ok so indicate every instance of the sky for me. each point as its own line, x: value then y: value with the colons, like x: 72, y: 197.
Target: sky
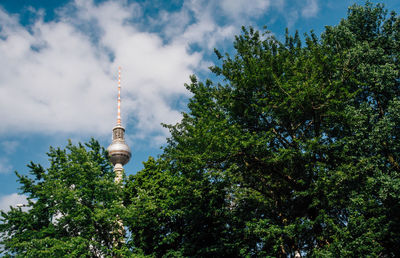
x: 59, y: 63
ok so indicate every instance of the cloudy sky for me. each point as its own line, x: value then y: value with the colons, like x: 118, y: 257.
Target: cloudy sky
x: 59, y: 61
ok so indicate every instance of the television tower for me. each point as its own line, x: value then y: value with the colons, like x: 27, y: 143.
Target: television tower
x: 119, y: 154
x: 118, y: 151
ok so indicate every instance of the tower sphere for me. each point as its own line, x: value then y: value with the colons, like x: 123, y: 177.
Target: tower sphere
x: 118, y: 151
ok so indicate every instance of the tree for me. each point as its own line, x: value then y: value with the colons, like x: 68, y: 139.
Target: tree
x: 72, y: 207
x: 295, y: 153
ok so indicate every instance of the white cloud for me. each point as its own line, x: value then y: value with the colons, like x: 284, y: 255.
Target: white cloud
x: 291, y: 18
x: 242, y: 10
x: 11, y: 200
x: 195, y: 23
x: 56, y: 79
x: 5, y: 165
x: 205, y: 31
x: 60, y: 76
x: 303, y: 9
x: 310, y: 9
x: 60, y: 88
x: 9, y: 147
x: 153, y: 72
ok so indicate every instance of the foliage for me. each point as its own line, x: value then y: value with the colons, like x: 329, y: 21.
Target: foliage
x: 297, y: 152
x: 72, y: 207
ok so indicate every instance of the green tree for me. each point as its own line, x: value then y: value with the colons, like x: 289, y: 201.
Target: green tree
x: 72, y: 207
x: 295, y: 152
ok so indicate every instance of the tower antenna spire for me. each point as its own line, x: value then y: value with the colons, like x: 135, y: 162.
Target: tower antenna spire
x: 119, y: 96
x: 118, y: 150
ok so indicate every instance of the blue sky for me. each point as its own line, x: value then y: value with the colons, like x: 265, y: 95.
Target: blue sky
x: 59, y: 63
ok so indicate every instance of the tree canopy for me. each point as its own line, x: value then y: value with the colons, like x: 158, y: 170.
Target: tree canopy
x: 294, y: 152
x: 73, y: 207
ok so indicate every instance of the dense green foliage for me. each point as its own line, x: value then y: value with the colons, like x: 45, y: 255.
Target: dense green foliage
x: 296, y: 152
x: 72, y: 207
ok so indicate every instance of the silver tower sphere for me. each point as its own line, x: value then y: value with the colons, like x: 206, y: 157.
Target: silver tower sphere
x: 118, y: 151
